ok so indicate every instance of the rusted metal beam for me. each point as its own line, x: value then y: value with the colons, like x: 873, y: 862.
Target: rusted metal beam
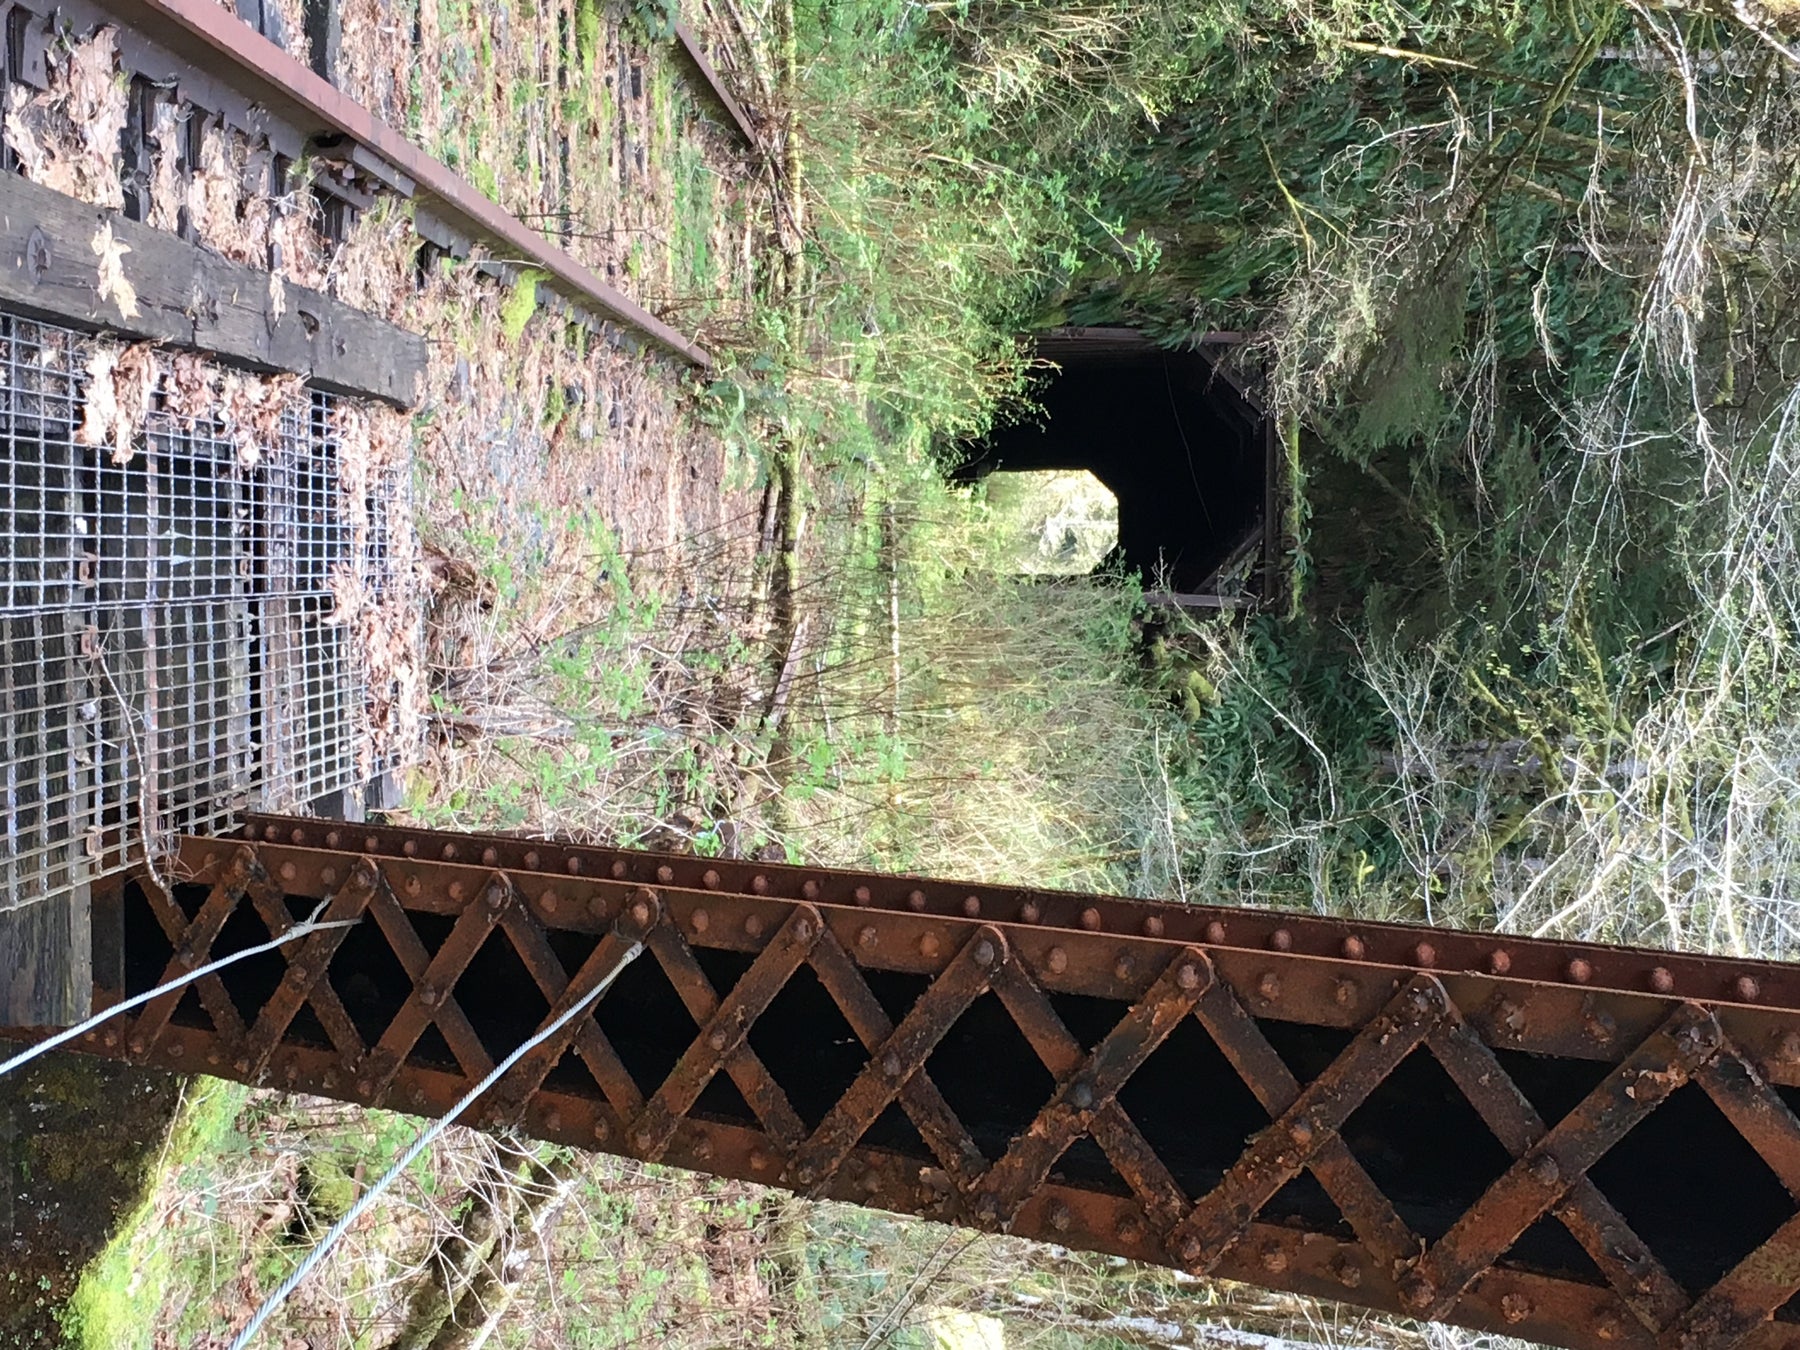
x: 711, y: 84
x: 1581, y: 1145
x: 216, y: 41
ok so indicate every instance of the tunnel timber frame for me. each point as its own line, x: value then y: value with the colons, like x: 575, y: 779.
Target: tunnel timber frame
x: 1134, y: 1025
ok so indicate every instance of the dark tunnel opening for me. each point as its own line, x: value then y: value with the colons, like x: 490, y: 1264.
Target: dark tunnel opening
x: 1184, y: 449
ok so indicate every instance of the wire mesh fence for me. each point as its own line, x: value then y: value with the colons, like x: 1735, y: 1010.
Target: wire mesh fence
x: 170, y: 647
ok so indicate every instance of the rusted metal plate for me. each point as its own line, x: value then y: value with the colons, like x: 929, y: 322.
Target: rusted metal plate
x: 1486, y: 1148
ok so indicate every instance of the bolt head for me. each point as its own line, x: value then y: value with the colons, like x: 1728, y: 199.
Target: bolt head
x: 1417, y: 1292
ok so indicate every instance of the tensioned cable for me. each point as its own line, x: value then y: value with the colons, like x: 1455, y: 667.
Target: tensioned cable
x: 418, y: 1146
x: 300, y: 930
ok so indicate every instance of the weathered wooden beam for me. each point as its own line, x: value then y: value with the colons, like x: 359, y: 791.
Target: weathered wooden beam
x: 54, y: 251
x: 46, y: 967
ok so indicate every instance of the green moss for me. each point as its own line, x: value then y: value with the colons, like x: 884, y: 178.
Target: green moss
x: 520, y: 304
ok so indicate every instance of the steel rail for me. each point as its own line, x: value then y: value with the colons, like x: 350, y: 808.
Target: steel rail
x: 228, y: 50
x: 1574, y: 1164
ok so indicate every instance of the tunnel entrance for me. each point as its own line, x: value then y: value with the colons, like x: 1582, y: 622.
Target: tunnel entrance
x: 1182, y: 445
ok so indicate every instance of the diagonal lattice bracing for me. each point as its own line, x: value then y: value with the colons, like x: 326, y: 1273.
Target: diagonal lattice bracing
x: 1333, y: 1112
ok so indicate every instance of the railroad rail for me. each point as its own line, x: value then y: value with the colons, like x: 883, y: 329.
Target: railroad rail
x: 1583, y: 1145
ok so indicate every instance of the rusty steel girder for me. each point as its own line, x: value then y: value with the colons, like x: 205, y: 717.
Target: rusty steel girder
x: 1589, y: 1146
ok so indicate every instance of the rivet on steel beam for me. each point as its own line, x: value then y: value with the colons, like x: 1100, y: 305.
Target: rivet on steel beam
x: 549, y: 900
x: 1579, y: 971
x: 490, y: 857
x: 1274, y: 1259
x: 928, y: 945
x: 410, y: 848
x: 915, y: 901
x: 573, y: 867
x: 643, y: 1139
x: 1188, y: 976
x: 297, y: 836
x: 1281, y: 940
x: 710, y: 879
x: 1346, y: 1272
x: 242, y: 1064
x: 1130, y: 1229
x: 759, y: 1161
x: 1499, y: 961
x: 803, y: 930
x: 1081, y: 1095
x: 138, y: 1045
x: 533, y: 860
x: 1515, y: 1307
x: 1345, y: 992
x: 809, y: 889
x: 871, y: 1182
x: 413, y: 884
x: 328, y: 875
x: 759, y: 884
x: 718, y: 1040
x: 619, y: 869
x: 553, y: 1120
x: 642, y: 911
x: 1192, y: 1251
x: 209, y: 862
x: 863, y: 896
x: 596, y: 906
x: 1352, y: 948
x: 365, y: 1087
x: 271, y: 833
x: 371, y: 844
x: 288, y: 871
x: 430, y: 995
x: 700, y: 921
x: 1600, y: 1027
x: 213, y: 1057
x: 1608, y: 1327
x: 1417, y: 1292
x: 1030, y: 912
x: 449, y: 853
x: 496, y: 895
x: 1544, y: 1169
x: 1426, y: 997
x: 867, y: 938
x: 1215, y: 932
x: 457, y: 891
x: 1269, y: 986
x: 971, y: 906
x: 1153, y: 926
x: 1424, y: 954
x: 1057, y: 961
x: 1787, y: 1049
x: 1122, y: 968
x: 1300, y: 1130
x: 90, y: 1036
x: 804, y: 1174
x: 602, y: 1131
x: 753, y: 925
x: 890, y: 1064
x: 987, y: 1207
x: 333, y: 838
x: 665, y: 874
x: 1090, y: 919
x: 1747, y: 989
x: 703, y: 1148
x: 328, y: 1080
x: 290, y: 1072
x: 1661, y: 981
x: 1059, y: 1216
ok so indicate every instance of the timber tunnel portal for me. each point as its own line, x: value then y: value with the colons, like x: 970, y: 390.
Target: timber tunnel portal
x: 1181, y: 444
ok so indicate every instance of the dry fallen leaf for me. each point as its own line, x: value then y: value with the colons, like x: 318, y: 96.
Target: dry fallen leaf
x: 113, y: 285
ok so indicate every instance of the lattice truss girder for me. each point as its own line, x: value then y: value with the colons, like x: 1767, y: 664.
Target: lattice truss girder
x: 1388, y: 1116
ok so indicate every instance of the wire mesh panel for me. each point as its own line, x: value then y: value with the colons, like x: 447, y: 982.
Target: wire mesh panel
x: 172, y: 650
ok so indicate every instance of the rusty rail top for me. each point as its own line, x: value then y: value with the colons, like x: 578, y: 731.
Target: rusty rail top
x: 1582, y: 1145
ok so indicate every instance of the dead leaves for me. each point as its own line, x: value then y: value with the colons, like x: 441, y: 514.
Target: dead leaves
x: 251, y: 406
x: 67, y: 137
x: 120, y: 386
x: 113, y: 285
